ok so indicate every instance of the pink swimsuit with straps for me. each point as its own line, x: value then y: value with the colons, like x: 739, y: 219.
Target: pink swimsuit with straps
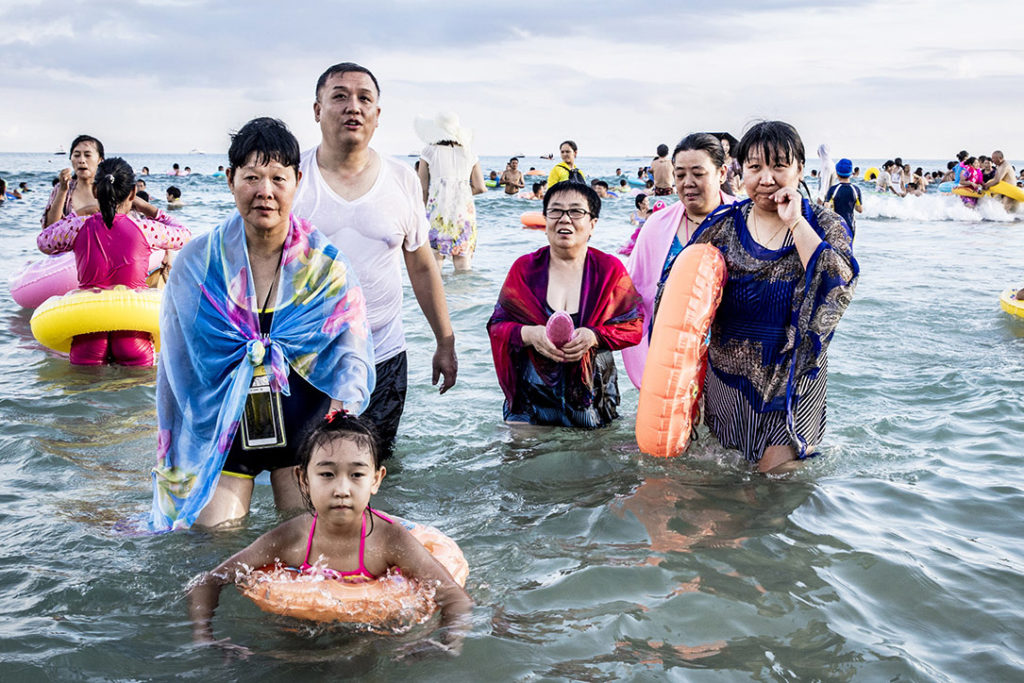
x: 359, y: 575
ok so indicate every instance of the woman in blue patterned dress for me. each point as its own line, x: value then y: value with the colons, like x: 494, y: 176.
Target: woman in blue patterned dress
x: 791, y: 276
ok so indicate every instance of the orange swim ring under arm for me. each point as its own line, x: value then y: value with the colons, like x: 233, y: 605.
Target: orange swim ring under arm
x: 677, y: 360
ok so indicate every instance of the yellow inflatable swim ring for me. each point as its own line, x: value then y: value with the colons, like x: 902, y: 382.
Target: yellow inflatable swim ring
x: 1009, y: 302
x: 871, y: 173
x: 61, y: 318
x: 390, y: 601
x: 1002, y: 188
x: 1007, y: 190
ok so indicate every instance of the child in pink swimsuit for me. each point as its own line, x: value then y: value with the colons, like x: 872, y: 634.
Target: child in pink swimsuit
x: 339, y: 469
x: 112, y: 248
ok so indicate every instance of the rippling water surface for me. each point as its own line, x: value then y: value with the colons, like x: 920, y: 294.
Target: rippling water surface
x: 896, y: 556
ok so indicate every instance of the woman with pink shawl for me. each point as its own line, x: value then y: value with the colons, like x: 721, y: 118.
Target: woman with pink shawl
x: 699, y: 167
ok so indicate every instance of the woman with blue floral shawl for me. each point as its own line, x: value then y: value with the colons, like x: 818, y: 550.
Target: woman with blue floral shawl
x: 263, y: 330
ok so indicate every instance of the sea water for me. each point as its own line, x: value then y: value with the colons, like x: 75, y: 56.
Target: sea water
x: 896, y: 555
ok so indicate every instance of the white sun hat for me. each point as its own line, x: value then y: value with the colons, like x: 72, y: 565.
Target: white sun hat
x: 444, y: 126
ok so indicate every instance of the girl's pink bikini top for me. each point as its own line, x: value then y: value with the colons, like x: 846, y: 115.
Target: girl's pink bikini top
x: 359, y: 575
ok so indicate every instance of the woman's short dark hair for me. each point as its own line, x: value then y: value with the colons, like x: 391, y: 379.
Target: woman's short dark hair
x: 344, y: 68
x: 593, y: 201
x: 537, y: 186
x: 662, y: 150
x: 113, y: 184
x: 269, y: 139
x: 174, y: 192
x: 777, y: 140
x: 639, y: 200
x: 87, y: 138
x: 702, y: 142
x: 970, y: 160
x: 570, y: 143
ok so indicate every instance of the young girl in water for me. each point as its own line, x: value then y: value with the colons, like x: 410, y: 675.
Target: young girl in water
x: 113, y: 248
x: 340, y: 537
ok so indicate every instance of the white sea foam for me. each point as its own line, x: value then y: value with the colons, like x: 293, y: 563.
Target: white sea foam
x: 934, y: 207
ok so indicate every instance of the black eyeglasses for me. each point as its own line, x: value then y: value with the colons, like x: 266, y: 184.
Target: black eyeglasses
x: 574, y: 214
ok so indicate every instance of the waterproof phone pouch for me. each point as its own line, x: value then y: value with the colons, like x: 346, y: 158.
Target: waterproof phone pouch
x: 262, y: 420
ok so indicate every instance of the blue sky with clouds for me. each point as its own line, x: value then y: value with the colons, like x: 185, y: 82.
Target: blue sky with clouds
x: 913, y: 78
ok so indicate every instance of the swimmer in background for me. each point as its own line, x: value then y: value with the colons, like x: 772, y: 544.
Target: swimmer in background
x: 113, y: 240
x: 623, y: 187
x: 649, y: 188
x: 339, y: 469
x: 140, y: 185
x: 856, y: 173
x: 4, y: 194
x: 643, y: 210
x: 922, y: 178
x: 219, y: 173
x: 175, y: 170
x: 844, y: 197
x: 145, y: 170
x: 1003, y: 173
x: 601, y: 188
x: 512, y: 179
x: 899, y: 180
x: 566, y: 169
x: 187, y: 171
x: 23, y: 187
x: 661, y: 168
x: 536, y: 193
x: 174, y: 198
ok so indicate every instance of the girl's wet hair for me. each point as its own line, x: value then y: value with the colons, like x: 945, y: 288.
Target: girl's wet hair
x: 340, y: 425
x: 778, y: 141
x: 113, y: 184
x: 337, y: 425
x: 639, y: 200
x: 702, y: 142
x: 86, y: 138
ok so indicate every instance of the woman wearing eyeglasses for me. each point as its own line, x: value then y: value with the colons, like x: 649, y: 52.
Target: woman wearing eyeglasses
x: 575, y: 384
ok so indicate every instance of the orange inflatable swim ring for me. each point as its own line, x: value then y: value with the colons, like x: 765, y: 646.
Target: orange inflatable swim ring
x: 533, y: 220
x: 677, y: 360
x: 388, y: 602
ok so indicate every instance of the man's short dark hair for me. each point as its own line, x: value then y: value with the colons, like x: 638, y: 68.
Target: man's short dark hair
x: 344, y: 68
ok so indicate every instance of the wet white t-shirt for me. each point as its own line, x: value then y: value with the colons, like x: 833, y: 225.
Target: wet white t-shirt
x: 370, y: 231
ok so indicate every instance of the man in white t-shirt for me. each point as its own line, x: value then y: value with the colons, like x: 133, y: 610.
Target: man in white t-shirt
x: 371, y: 207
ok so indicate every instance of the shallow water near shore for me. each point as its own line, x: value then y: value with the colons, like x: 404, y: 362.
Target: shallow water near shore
x: 894, y: 556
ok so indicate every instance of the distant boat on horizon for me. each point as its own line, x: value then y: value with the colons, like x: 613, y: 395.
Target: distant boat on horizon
x: 196, y: 151
x: 60, y: 152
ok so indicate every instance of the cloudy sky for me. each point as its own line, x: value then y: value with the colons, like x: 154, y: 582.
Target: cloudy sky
x: 901, y: 77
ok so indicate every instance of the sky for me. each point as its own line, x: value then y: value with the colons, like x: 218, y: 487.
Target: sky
x: 872, y: 79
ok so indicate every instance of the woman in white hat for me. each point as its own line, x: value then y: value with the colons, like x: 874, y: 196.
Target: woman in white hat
x: 450, y: 174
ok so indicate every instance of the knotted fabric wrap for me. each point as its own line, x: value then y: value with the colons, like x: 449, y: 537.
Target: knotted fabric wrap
x: 212, y: 344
